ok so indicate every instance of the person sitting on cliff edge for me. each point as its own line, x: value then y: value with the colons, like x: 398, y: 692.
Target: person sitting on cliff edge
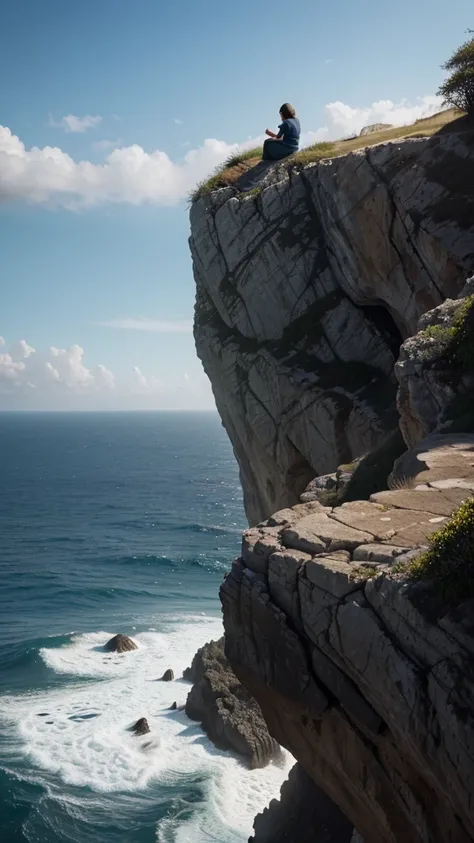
x: 287, y: 140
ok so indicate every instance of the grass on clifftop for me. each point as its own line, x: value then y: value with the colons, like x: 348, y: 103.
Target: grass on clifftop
x: 236, y: 165
x: 450, y: 558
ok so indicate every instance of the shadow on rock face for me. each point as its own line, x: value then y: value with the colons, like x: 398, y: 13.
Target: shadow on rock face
x: 255, y: 176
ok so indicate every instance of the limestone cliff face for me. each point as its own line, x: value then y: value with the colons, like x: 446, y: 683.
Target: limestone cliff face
x: 305, y: 292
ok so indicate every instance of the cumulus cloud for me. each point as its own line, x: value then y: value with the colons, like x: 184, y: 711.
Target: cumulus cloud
x: 57, y: 370
x: 143, y: 383
x: 129, y: 174
x: 155, y: 325
x: 342, y: 119
x: 58, y: 378
x: 71, y: 123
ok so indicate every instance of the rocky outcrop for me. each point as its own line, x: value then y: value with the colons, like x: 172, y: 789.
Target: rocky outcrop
x: 366, y: 677
x: 120, y: 644
x: 374, y: 127
x: 303, y: 814
x: 435, y: 372
x: 226, y: 710
x: 305, y: 291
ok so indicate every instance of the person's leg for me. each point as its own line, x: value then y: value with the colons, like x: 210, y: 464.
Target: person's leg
x: 266, y: 155
x: 274, y: 150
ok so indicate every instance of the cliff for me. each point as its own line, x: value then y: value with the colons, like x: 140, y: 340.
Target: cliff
x: 306, y: 289
x: 364, y: 675
x: 333, y: 312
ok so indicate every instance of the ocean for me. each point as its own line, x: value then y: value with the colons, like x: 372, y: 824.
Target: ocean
x: 115, y: 522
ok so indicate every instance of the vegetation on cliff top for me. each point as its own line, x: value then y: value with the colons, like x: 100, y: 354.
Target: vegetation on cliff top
x: 449, y: 561
x: 238, y: 163
x: 458, y: 89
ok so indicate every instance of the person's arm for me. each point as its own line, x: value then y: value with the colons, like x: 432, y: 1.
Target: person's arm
x: 272, y: 134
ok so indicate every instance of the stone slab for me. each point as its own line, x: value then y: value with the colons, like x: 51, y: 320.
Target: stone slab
x: 429, y: 500
x: 318, y: 532
x: 386, y: 525
x: 379, y: 554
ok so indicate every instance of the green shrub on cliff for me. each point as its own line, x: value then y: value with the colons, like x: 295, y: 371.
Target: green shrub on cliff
x: 450, y: 558
x: 455, y: 342
x: 458, y: 88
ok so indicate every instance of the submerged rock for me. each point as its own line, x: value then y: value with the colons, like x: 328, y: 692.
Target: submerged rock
x: 141, y: 727
x: 229, y: 715
x: 120, y: 644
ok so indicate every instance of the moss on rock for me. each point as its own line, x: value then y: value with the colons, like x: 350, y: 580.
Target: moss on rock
x: 449, y: 561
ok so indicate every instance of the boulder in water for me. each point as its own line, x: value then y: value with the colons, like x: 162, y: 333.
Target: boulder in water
x: 141, y: 727
x: 120, y: 644
x: 168, y: 676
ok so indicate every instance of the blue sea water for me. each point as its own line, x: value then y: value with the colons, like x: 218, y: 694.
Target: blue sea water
x: 120, y: 522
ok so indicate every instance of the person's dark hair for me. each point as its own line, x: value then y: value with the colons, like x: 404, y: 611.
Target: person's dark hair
x: 287, y: 111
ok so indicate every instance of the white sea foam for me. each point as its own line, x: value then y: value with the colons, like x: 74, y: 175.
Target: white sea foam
x: 82, y: 735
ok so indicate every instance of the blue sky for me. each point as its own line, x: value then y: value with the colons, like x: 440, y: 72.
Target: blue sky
x: 151, y: 96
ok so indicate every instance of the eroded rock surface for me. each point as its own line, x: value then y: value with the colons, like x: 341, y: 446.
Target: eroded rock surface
x: 226, y: 710
x: 366, y: 679
x: 305, y: 292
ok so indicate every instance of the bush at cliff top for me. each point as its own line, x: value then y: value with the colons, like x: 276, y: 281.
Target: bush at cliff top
x: 450, y: 558
x: 458, y: 89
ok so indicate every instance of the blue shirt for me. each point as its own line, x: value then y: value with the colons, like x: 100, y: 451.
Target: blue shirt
x: 290, y: 131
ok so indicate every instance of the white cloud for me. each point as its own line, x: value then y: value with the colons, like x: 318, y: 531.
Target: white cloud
x: 178, y: 121
x: 154, y: 325
x: 71, y: 123
x: 144, y: 384
x: 57, y: 370
x: 342, y: 119
x: 130, y: 174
